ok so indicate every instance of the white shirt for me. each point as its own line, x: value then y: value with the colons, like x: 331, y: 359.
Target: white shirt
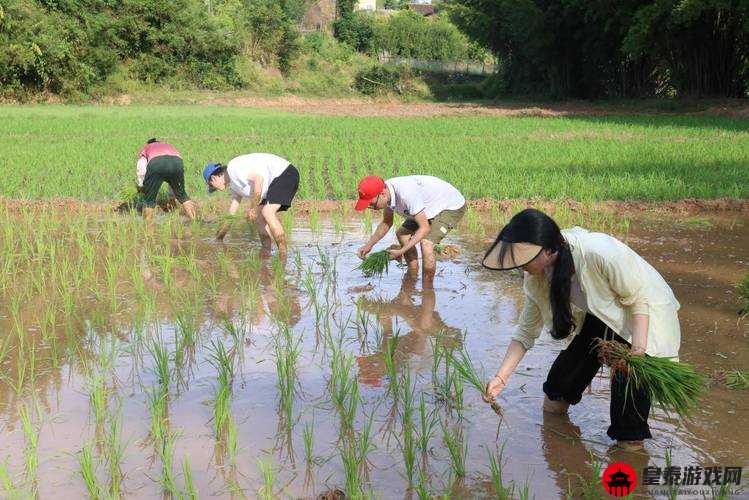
x: 412, y: 194
x: 266, y: 165
x: 617, y: 284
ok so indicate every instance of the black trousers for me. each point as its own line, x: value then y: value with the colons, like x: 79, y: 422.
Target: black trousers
x: 162, y: 169
x: 574, y: 369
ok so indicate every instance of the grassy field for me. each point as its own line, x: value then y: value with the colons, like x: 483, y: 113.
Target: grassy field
x: 88, y: 152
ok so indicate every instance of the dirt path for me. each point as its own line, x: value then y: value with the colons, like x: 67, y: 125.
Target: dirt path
x: 682, y: 207
x: 364, y: 107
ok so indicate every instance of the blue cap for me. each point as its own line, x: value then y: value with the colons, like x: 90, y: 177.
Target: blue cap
x: 208, y: 171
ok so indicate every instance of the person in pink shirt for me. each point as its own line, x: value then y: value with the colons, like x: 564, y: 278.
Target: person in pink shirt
x: 160, y: 162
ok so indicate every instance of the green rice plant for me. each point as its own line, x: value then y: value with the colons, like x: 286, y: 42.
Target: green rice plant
x: 98, y: 399
x: 524, y: 493
x: 287, y: 350
x: 158, y: 405
x: 266, y: 469
x: 422, y: 486
x: 375, y: 265
x: 190, y: 492
x: 6, y: 480
x: 31, y: 435
x: 389, y: 350
x: 308, y: 438
x: 496, y: 463
x: 351, y: 469
x: 88, y: 472
x: 223, y: 390
x: 456, y: 448
x: 737, y: 379
x: 165, y: 451
x: 114, y: 451
x: 427, y: 424
x: 161, y: 369
x: 673, y: 385
x: 407, y: 439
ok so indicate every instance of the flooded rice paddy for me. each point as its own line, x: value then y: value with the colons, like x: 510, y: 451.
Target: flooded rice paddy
x: 170, y: 365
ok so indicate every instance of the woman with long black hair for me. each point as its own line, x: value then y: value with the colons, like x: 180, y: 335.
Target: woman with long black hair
x: 589, y: 286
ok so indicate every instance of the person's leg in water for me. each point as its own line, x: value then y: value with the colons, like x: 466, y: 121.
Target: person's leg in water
x: 574, y: 368
x: 269, y: 226
x: 428, y: 264
x: 411, y: 256
x: 152, y: 181
x: 176, y: 181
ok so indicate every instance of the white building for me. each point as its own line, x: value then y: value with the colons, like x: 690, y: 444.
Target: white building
x: 367, y: 5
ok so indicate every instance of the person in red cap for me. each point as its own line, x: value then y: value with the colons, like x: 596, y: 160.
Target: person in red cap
x: 431, y: 206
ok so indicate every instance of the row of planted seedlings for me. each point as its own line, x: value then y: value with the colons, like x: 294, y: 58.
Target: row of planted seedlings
x: 419, y: 413
x: 73, y: 282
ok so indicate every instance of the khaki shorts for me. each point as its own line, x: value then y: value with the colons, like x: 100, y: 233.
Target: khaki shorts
x: 439, y: 225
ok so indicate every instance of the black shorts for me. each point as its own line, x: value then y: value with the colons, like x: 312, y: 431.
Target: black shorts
x: 283, y: 188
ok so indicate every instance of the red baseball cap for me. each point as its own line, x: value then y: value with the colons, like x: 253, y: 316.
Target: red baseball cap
x: 369, y: 188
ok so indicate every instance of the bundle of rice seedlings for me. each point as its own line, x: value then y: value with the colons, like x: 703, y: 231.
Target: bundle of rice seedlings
x: 375, y: 264
x: 672, y: 385
x: 737, y: 379
x: 462, y: 363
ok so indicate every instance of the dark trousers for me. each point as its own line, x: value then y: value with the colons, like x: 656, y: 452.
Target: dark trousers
x: 574, y: 369
x: 162, y: 169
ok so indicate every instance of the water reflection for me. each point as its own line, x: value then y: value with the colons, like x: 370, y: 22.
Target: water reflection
x: 413, y: 322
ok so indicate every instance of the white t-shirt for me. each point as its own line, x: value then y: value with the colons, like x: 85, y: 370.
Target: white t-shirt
x: 264, y: 164
x: 412, y: 194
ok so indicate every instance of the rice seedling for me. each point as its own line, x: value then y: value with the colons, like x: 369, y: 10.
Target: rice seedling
x: 589, y: 488
x: 375, y: 265
x: 427, y: 424
x: 158, y: 402
x: 737, y: 379
x: 389, y: 350
x: 266, y: 469
x: 308, y: 438
x: 88, y: 472
x: 673, y: 385
x: 223, y: 390
x: 30, y: 453
x: 190, y: 492
x: 496, y: 463
x: 114, y: 451
x: 287, y: 351
x: 6, y: 480
x: 456, y: 448
x: 462, y: 363
x: 98, y: 399
x: 165, y: 451
x: 161, y: 369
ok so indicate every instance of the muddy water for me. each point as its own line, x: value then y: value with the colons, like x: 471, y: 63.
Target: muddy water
x: 701, y: 258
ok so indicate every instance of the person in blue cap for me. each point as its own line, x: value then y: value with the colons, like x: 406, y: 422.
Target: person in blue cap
x: 269, y: 181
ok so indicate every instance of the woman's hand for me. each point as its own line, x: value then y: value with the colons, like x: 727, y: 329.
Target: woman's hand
x: 493, y: 388
x: 363, y: 251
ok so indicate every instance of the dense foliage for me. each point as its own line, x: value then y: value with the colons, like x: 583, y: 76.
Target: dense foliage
x: 584, y: 48
x: 406, y: 34
x: 70, y: 46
